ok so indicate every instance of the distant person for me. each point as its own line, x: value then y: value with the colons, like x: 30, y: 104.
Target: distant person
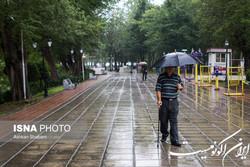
x: 134, y: 69
x: 167, y: 87
x: 144, y: 72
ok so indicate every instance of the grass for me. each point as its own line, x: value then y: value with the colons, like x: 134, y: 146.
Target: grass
x: 51, y: 91
x: 9, y: 107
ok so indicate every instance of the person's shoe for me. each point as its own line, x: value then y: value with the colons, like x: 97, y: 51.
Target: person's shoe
x: 176, y: 143
x: 164, y: 138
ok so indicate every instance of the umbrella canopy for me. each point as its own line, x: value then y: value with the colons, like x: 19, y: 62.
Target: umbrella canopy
x: 175, y: 59
x: 142, y: 63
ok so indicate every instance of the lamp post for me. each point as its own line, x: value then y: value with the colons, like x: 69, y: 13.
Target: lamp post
x: 44, y: 77
x: 34, y: 45
x: 81, y: 51
x: 72, y: 52
x: 111, y: 69
x: 226, y: 44
x: 23, y: 67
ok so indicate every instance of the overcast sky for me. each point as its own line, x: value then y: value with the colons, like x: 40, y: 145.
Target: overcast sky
x: 157, y: 2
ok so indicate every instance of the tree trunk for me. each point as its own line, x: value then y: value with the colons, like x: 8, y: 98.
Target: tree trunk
x: 78, y: 62
x: 115, y: 59
x: 28, y: 93
x: 13, y: 64
x: 247, y: 61
x: 71, y: 65
x: 49, y: 59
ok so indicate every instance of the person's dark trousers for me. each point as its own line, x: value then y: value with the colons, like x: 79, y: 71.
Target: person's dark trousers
x: 144, y: 76
x: 169, y: 112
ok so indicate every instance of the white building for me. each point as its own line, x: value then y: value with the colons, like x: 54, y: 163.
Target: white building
x: 218, y: 57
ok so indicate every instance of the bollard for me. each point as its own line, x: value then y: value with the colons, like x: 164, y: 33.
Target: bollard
x: 216, y: 78
x: 217, y: 83
x: 196, y: 74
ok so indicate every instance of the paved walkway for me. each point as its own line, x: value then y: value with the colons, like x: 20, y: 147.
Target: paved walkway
x: 37, y: 110
x: 114, y: 123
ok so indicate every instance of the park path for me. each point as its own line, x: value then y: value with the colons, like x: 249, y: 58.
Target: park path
x: 114, y: 123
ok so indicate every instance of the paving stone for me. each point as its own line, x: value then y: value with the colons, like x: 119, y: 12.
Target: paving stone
x: 120, y: 127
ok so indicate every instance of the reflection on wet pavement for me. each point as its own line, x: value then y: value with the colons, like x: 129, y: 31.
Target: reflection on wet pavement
x: 121, y: 120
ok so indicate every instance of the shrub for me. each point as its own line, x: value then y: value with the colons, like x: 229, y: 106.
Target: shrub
x: 5, y: 96
x: 5, y: 87
x: 36, y: 87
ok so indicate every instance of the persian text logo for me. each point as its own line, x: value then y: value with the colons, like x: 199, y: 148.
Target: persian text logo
x: 221, y: 149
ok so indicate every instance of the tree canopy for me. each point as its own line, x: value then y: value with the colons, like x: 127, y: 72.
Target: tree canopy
x: 135, y: 31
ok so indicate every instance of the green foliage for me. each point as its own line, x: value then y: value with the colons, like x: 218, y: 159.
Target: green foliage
x: 87, y: 71
x: 248, y: 75
x: 51, y: 90
x: 5, y: 96
x: 36, y: 74
x: 141, y: 33
x: 184, y: 24
x: 5, y: 89
x: 70, y: 24
x: 170, y: 27
x: 221, y: 20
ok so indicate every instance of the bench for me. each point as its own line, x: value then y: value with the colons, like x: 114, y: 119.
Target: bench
x: 92, y: 77
x: 68, y: 85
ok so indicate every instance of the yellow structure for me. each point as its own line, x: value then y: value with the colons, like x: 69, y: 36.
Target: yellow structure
x: 196, y: 74
x: 189, y: 76
x: 235, y: 79
x: 205, y: 76
x: 217, y: 83
x: 233, y: 112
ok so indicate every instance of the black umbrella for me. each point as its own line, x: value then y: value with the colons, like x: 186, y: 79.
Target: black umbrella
x: 175, y: 59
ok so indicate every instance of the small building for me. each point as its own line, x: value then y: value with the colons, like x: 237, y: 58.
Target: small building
x: 217, y: 57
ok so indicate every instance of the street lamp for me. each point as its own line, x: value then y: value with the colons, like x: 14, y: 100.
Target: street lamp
x: 81, y: 51
x: 49, y: 42
x: 34, y: 45
x: 226, y: 44
x: 44, y: 77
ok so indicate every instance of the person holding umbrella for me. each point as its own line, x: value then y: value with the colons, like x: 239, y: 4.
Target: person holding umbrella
x: 167, y: 88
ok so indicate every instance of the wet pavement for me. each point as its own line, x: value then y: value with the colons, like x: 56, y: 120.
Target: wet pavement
x: 115, y: 121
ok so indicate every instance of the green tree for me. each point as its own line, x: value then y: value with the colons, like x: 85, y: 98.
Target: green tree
x: 221, y: 20
x: 70, y: 24
x: 169, y: 27
x: 138, y: 37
